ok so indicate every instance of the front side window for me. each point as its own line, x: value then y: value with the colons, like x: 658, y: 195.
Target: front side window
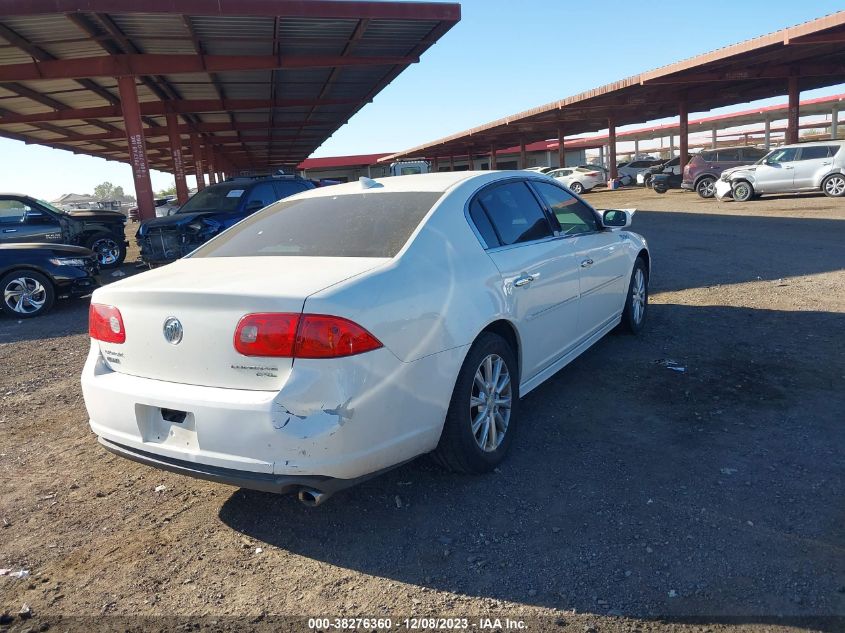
x: 783, y: 155
x: 573, y: 215
x: 12, y: 211
x: 515, y: 214
x: 752, y: 153
x: 368, y: 224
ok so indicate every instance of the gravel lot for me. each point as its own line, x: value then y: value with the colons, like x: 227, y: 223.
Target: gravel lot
x: 636, y: 497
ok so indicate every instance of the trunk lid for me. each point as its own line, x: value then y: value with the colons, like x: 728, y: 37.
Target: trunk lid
x: 209, y: 296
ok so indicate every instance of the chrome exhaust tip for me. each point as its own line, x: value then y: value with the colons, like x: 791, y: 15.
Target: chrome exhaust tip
x: 311, y: 498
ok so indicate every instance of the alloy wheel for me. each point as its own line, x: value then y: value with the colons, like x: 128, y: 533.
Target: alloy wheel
x: 835, y: 186
x: 25, y: 295
x: 490, y: 403
x: 707, y: 188
x: 107, y: 251
x: 638, y: 296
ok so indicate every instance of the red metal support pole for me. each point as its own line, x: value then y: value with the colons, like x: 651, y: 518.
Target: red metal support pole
x: 196, y: 149
x: 683, y: 133
x: 561, y: 150
x: 522, y: 157
x: 611, y: 146
x: 470, y: 162
x: 493, y: 165
x: 451, y: 162
x: 137, y: 147
x: 794, y: 113
x: 176, y: 154
x: 209, y: 164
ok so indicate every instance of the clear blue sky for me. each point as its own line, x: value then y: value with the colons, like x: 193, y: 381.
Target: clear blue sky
x: 503, y: 57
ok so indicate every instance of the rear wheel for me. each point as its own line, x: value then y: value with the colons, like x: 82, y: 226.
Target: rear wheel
x: 742, y: 191
x: 110, y: 250
x: 576, y: 187
x: 480, y: 422
x: 26, y: 294
x: 834, y: 186
x: 706, y: 187
x: 636, y: 303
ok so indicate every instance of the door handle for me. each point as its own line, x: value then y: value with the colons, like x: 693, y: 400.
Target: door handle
x: 789, y: 167
x: 586, y: 263
x: 523, y: 281
x: 10, y: 230
x: 827, y: 163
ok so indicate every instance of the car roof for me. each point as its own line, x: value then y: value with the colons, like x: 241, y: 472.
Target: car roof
x: 435, y: 182
x: 812, y: 143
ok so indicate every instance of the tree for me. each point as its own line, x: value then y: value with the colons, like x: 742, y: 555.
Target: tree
x: 106, y: 191
x: 170, y: 191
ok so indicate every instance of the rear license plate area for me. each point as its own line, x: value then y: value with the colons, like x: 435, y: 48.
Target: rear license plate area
x: 167, y: 427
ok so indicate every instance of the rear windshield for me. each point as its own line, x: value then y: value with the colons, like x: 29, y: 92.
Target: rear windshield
x: 354, y: 225
x: 222, y: 197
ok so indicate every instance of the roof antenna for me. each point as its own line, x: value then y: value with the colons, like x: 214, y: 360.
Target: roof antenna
x: 368, y: 183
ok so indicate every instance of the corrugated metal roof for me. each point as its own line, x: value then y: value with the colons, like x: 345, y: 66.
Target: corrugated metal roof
x: 311, y: 95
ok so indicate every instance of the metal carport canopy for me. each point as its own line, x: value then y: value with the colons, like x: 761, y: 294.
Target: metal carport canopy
x: 251, y: 83
x: 803, y: 57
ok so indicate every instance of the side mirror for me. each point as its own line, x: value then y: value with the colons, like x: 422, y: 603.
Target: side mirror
x: 617, y: 218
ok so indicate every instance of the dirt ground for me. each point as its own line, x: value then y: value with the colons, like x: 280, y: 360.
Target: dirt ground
x: 636, y: 497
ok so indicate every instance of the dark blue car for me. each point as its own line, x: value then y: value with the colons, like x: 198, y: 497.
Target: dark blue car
x: 208, y: 212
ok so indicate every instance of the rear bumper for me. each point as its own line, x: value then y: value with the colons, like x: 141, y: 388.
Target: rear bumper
x: 342, y: 419
x: 265, y: 482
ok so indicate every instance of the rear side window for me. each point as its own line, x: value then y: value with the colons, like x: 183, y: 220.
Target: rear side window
x: 752, y: 153
x: 482, y: 223
x: 728, y: 156
x: 353, y: 225
x: 817, y: 151
x: 707, y: 157
x: 515, y: 213
x: 573, y: 215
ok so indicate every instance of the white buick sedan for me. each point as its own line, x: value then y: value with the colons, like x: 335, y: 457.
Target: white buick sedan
x: 348, y: 329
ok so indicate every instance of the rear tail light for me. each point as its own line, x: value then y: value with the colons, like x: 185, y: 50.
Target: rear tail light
x: 594, y: 174
x: 301, y: 336
x: 266, y: 334
x: 105, y: 324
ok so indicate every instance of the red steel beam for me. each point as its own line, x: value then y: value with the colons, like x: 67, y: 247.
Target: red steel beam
x: 561, y: 151
x: 793, y: 113
x: 197, y: 156
x: 281, y: 8
x: 176, y: 154
x: 159, y: 64
x: 611, y: 143
x: 137, y: 147
x: 209, y: 164
x: 683, y: 133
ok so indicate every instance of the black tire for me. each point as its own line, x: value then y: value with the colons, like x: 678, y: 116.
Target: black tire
x: 576, y: 187
x: 39, y: 290
x: 742, y: 191
x: 660, y: 189
x: 705, y: 187
x: 459, y: 450
x: 632, y: 319
x: 834, y: 186
x: 110, y: 249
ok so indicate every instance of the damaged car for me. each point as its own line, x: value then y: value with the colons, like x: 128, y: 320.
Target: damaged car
x: 346, y: 330
x: 209, y: 212
x: 26, y: 219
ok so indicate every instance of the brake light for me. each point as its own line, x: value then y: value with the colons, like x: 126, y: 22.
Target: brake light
x: 307, y: 336
x: 323, y: 336
x: 266, y: 334
x: 105, y: 324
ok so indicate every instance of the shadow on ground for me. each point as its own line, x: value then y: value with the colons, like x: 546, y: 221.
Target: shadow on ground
x: 632, y: 489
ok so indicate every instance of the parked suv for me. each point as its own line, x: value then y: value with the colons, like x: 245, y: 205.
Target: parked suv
x: 209, y: 212
x: 704, y: 169
x: 25, y: 219
x: 815, y: 166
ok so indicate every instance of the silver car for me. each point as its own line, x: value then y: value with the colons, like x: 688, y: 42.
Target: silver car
x: 815, y: 166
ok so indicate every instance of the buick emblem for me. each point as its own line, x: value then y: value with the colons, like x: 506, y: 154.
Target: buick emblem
x: 172, y: 330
